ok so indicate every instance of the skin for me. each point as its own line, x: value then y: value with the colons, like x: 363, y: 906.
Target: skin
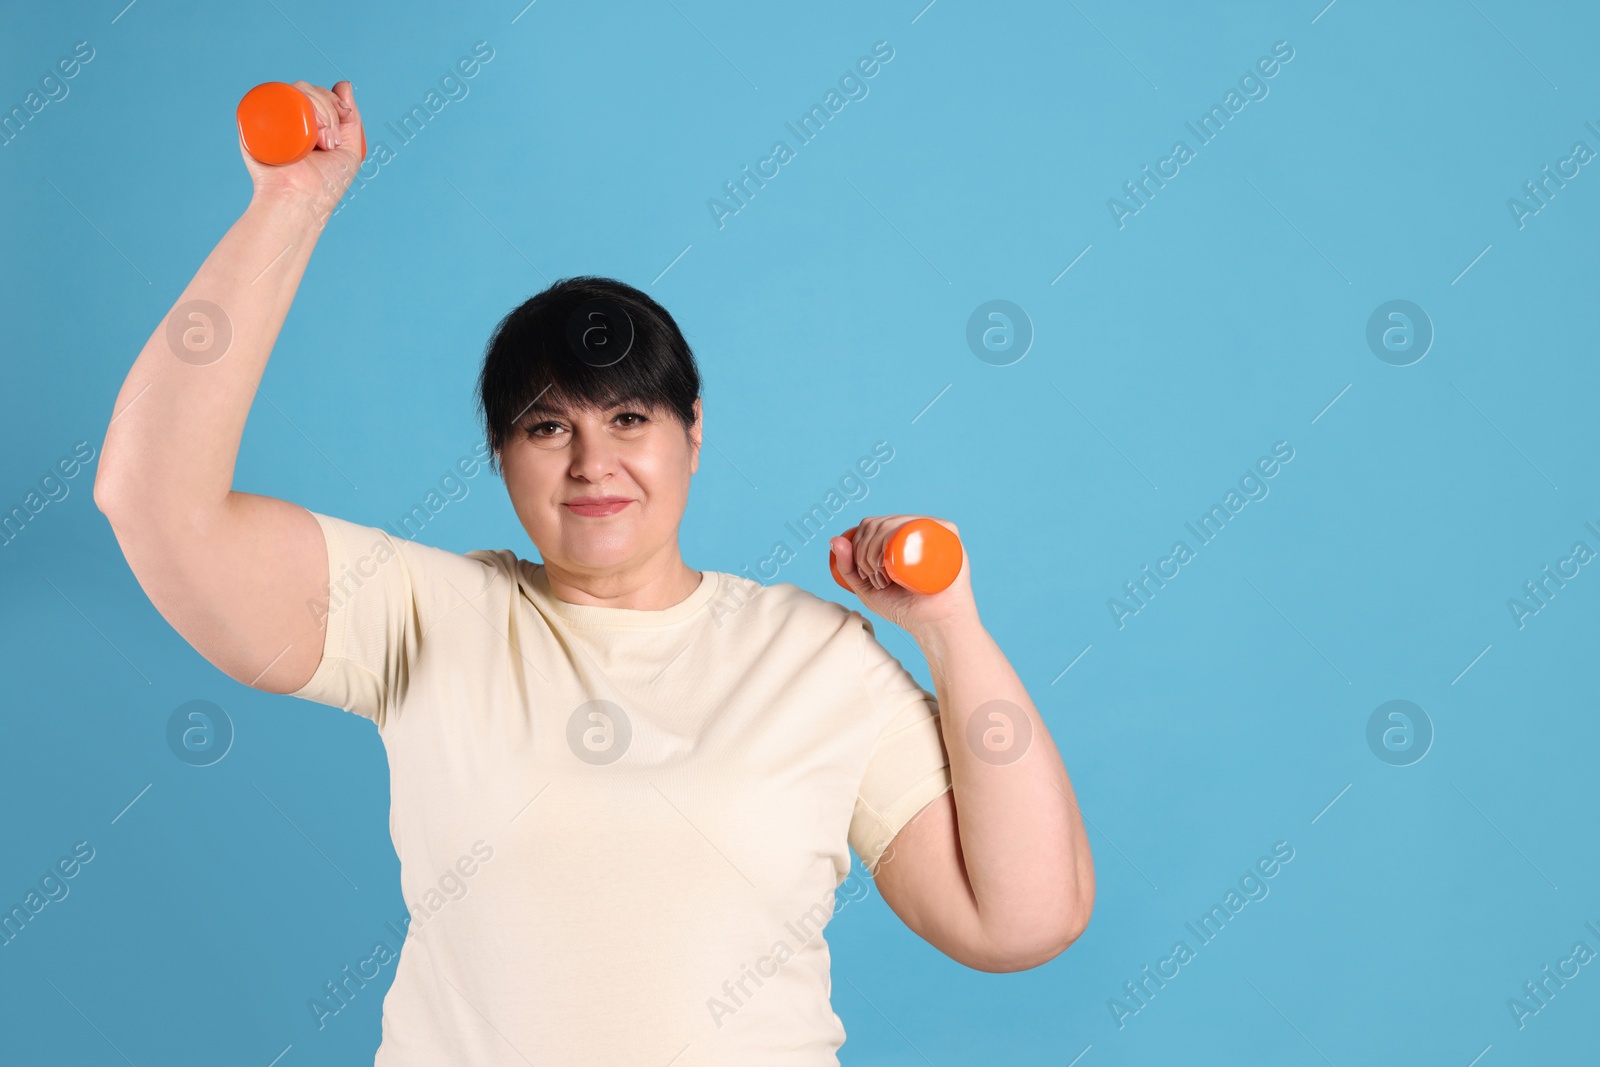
x: 629, y: 559
x: 234, y: 573
x: 996, y: 873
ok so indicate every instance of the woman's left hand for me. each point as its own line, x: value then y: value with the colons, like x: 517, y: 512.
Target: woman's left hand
x: 861, y: 564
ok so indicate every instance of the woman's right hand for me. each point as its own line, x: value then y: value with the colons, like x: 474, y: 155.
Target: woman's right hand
x: 322, y: 177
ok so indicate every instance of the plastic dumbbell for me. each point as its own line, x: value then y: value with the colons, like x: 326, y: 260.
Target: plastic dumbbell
x: 921, y: 556
x: 279, y: 125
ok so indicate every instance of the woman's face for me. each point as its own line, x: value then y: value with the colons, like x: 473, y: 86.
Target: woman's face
x: 552, y: 461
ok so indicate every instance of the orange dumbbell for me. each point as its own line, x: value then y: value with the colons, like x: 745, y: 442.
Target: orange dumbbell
x: 921, y: 555
x: 279, y: 125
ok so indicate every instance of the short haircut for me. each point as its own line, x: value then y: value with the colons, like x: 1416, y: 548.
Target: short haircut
x: 529, y: 364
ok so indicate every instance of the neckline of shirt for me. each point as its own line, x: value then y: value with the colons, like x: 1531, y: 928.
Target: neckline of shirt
x: 538, y: 587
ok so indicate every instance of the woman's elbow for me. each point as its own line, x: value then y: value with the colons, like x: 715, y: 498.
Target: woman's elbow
x: 105, y: 493
x: 111, y: 490
x: 1037, y: 944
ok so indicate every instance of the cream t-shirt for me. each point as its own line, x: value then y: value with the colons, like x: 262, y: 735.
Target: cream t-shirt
x: 619, y: 831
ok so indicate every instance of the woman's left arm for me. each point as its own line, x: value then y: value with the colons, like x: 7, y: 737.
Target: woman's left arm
x: 995, y: 873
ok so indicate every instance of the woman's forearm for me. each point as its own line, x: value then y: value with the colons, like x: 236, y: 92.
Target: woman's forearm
x: 174, y: 434
x: 1022, y: 838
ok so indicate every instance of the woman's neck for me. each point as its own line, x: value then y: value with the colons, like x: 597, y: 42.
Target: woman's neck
x: 654, y: 586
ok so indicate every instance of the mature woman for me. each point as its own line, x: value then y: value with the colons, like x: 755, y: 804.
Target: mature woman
x: 622, y: 789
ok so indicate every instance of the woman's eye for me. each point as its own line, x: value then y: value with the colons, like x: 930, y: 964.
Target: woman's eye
x: 537, y: 430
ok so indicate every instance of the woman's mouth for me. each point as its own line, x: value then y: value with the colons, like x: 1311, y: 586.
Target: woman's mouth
x: 597, y: 505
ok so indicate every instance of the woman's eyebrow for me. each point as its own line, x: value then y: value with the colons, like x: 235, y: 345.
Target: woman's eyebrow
x: 537, y: 408
x: 544, y: 409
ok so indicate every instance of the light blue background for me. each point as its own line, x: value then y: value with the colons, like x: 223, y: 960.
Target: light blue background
x: 827, y: 314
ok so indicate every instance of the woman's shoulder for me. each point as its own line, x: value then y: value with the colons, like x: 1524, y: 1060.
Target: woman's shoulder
x: 778, y: 605
x: 378, y: 569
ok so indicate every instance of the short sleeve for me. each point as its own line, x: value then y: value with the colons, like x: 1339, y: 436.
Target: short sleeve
x: 909, y: 766
x: 383, y: 594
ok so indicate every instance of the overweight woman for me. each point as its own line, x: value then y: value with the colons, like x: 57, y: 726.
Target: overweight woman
x: 647, y: 776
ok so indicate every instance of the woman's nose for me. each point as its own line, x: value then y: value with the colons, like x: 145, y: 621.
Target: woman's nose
x: 593, y: 458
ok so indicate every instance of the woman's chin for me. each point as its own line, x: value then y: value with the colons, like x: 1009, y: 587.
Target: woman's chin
x: 599, y: 557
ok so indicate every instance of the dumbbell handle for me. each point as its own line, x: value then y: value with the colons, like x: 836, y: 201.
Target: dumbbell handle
x: 922, y: 556
x: 278, y: 124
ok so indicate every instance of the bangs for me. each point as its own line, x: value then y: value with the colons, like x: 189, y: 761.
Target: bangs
x: 540, y: 361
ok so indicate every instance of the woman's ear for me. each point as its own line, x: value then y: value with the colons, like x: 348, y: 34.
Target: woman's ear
x: 696, y: 433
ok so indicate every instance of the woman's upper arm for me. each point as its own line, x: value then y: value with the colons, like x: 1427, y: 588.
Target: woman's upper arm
x: 923, y: 880
x: 245, y: 583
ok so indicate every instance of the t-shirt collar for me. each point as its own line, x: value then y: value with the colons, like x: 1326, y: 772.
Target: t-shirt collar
x: 537, y: 584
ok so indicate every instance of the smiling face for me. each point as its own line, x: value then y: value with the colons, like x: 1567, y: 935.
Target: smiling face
x: 554, y: 459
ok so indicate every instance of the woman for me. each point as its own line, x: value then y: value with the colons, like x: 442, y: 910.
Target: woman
x: 622, y: 790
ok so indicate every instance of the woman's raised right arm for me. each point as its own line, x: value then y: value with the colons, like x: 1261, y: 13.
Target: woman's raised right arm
x: 242, y: 577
